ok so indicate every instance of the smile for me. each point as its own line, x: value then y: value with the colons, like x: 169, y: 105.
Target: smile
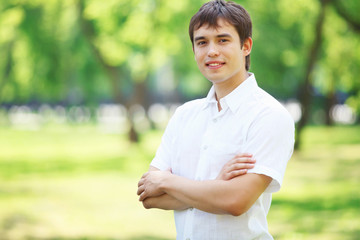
x: 214, y: 65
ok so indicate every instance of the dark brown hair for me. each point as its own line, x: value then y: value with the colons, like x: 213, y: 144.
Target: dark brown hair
x: 231, y: 12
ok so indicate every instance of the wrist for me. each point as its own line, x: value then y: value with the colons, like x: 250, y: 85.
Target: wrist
x: 165, y: 182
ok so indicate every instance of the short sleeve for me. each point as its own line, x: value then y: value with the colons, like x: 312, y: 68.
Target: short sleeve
x: 164, y: 153
x: 270, y: 139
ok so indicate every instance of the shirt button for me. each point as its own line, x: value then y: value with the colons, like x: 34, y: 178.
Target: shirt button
x: 205, y: 147
x: 214, y: 120
x: 187, y: 238
x: 191, y: 209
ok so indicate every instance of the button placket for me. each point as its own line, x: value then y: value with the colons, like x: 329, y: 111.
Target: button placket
x: 189, y: 223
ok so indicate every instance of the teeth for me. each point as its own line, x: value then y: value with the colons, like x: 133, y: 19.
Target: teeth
x: 214, y: 64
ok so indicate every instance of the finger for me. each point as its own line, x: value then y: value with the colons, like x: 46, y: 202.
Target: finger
x: 240, y: 166
x: 236, y: 173
x: 244, y: 155
x: 140, y: 190
x: 245, y: 165
x: 142, y: 196
x: 141, y: 182
x: 244, y: 160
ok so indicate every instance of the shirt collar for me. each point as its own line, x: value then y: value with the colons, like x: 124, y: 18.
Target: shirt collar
x: 234, y: 99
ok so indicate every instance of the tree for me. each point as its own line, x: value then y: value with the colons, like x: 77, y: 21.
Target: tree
x: 305, y: 92
x: 333, y: 54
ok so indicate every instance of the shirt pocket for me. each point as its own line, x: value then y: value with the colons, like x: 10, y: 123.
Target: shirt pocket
x: 221, y: 154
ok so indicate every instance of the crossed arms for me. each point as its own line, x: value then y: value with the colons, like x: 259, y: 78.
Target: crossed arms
x: 232, y: 192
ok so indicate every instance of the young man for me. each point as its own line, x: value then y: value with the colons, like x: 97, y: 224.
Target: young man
x: 198, y: 170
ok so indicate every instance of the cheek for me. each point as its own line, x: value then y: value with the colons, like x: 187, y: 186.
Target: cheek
x: 236, y: 57
x: 199, y: 54
x: 198, y: 59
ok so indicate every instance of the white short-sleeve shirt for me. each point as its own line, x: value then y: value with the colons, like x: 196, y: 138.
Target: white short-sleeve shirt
x: 199, y: 140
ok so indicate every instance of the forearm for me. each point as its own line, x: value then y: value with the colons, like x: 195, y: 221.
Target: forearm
x: 207, y: 196
x: 165, y: 202
x: 233, y: 197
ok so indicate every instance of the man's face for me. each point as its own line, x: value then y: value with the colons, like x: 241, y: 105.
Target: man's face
x: 218, y: 53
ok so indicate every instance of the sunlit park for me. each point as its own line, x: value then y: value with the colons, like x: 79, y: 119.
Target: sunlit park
x: 88, y: 86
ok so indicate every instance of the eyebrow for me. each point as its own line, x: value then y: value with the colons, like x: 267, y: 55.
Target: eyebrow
x: 218, y: 36
x: 199, y: 38
x: 224, y: 35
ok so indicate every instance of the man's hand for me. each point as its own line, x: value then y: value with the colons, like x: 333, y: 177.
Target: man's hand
x: 236, y: 166
x: 149, y: 184
x: 152, y: 195
x: 165, y: 202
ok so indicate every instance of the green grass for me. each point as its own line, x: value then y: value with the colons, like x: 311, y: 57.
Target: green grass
x: 74, y: 182
x: 320, y: 198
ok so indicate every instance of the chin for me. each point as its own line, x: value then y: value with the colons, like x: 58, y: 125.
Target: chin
x: 216, y: 80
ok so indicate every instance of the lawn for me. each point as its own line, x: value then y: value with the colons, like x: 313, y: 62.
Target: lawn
x: 75, y: 182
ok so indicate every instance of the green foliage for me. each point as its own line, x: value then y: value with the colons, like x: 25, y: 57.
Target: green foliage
x: 280, y: 41
x: 85, y: 51
x: 354, y: 102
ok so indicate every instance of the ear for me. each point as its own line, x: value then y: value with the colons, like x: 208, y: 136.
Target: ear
x: 247, y: 46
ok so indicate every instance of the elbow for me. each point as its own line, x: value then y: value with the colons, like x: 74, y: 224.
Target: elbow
x: 235, y: 212
x: 236, y: 208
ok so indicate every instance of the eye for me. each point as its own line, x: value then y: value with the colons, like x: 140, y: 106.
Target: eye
x: 223, y: 40
x: 199, y: 43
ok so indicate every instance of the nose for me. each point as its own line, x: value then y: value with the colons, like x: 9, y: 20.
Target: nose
x: 213, y: 50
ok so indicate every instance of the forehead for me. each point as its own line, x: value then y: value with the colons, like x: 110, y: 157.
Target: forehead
x: 222, y: 27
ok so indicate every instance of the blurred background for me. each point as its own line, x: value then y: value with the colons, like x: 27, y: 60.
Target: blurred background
x: 87, y: 88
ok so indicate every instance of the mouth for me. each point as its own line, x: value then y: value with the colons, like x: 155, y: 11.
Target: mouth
x: 214, y: 64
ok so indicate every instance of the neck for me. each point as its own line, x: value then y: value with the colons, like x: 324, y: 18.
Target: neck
x: 224, y: 88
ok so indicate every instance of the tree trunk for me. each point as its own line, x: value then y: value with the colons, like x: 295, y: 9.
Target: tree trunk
x: 330, y: 102
x: 8, y: 67
x: 353, y: 23
x: 306, y: 89
x: 139, y: 97
x: 114, y: 73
